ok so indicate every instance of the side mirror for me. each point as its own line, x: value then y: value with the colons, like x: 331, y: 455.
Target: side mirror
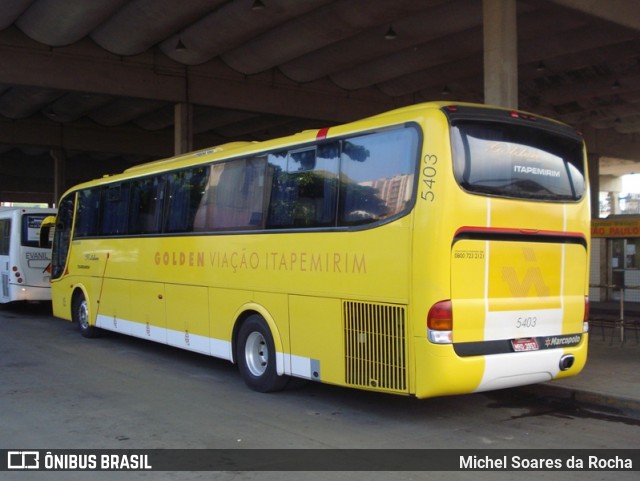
x: 47, y: 228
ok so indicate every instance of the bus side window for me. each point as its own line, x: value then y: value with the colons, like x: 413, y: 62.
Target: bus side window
x: 146, y: 206
x: 88, y: 214
x: 377, y: 175
x: 115, y: 207
x: 233, y: 198
x: 304, y: 188
x: 186, y: 189
x: 327, y: 166
x: 5, y: 236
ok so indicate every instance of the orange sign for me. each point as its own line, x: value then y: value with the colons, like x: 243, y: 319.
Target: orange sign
x: 618, y: 227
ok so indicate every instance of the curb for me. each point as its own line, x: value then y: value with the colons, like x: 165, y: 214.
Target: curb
x: 605, y: 403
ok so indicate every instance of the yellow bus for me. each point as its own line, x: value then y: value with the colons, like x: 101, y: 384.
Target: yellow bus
x: 432, y: 250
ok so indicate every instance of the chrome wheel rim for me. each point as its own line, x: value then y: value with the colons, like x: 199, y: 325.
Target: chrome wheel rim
x: 256, y: 354
x: 83, y: 315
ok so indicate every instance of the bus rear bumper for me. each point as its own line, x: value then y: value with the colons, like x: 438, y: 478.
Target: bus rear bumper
x: 29, y: 293
x: 440, y: 371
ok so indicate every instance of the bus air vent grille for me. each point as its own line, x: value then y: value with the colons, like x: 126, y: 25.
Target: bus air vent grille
x: 375, y: 345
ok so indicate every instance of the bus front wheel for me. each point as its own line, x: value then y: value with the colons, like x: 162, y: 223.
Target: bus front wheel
x: 256, y: 355
x: 80, y: 315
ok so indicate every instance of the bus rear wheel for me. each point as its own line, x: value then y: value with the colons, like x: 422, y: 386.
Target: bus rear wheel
x: 80, y: 315
x: 256, y: 355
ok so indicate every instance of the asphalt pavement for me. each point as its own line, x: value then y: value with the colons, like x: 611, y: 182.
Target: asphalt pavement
x: 610, y: 381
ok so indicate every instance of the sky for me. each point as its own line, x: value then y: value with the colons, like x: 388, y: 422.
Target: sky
x: 631, y: 184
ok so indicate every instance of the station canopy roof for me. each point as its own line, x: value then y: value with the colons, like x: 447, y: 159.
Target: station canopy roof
x: 99, y: 79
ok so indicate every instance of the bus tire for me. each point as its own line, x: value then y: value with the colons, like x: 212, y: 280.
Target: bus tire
x: 80, y: 315
x: 256, y: 355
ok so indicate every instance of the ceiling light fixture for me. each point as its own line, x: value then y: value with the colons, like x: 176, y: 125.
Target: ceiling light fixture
x: 258, y: 5
x: 541, y: 67
x: 616, y: 85
x: 445, y: 91
x: 180, y: 47
x: 391, y: 34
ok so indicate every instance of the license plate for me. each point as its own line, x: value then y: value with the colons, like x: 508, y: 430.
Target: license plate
x: 522, y: 345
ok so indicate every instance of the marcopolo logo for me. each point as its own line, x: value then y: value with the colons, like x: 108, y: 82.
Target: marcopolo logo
x: 23, y: 460
x: 559, y: 341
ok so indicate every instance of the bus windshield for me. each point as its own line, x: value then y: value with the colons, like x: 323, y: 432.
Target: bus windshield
x: 516, y: 161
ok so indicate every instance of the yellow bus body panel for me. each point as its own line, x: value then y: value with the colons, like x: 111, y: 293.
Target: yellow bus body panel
x: 189, y: 292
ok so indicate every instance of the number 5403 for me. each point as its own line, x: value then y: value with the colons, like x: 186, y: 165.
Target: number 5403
x: 526, y: 322
x: 428, y: 174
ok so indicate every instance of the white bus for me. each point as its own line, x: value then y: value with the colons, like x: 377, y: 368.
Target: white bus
x: 25, y: 268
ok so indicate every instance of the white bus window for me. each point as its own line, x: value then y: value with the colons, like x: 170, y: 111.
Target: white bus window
x: 5, y: 236
x: 31, y: 229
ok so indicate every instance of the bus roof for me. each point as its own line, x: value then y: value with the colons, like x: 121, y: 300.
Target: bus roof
x: 28, y: 210
x: 237, y: 148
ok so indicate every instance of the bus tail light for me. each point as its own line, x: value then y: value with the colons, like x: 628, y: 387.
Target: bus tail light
x: 440, y: 323
x: 17, y: 274
x: 514, y: 114
x: 585, y: 321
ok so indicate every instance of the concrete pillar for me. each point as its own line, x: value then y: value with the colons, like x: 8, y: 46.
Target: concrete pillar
x: 183, y: 128
x: 59, y: 173
x: 593, y: 165
x: 614, y: 202
x: 500, y: 53
x: 612, y: 186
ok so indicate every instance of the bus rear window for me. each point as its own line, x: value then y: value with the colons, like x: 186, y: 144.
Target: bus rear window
x: 31, y: 229
x: 517, y: 161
